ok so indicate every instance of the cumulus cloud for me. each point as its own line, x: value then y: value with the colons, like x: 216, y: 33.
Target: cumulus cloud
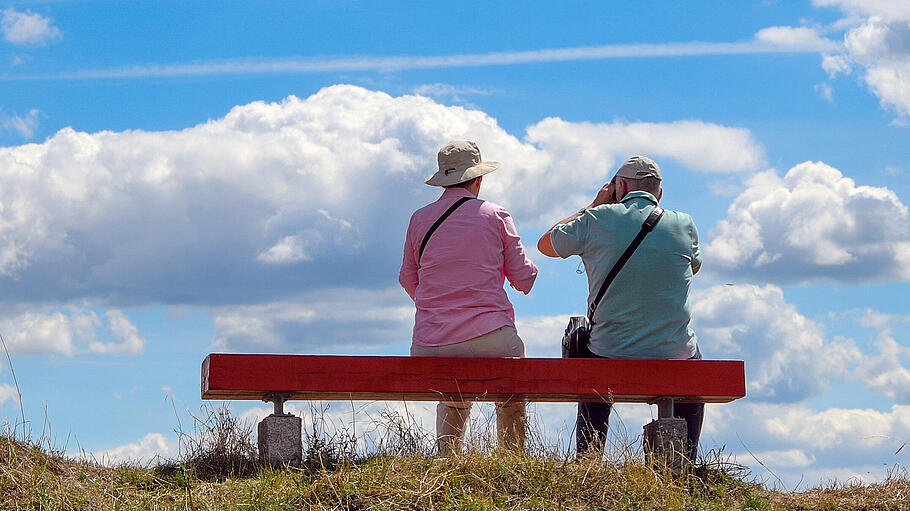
x: 146, y: 450
x: 883, y: 48
x: 698, y: 145
x: 276, y: 197
x: 128, y: 341
x: 805, y: 446
x: 787, y: 356
x: 838, y: 427
x: 45, y: 333
x: 27, y: 28
x: 67, y: 331
x: 878, y: 40
x: 326, y: 321
x: 886, y: 371
x: 542, y: 335
x: 812, y: 224
x: 861, y: 8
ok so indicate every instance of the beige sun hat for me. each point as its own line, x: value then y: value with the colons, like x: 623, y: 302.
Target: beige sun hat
x: 460, y: 161
x: 639, y: 167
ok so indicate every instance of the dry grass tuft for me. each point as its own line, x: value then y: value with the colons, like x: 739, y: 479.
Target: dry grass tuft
x: 220, y: 447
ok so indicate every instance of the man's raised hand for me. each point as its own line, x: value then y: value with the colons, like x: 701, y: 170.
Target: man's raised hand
x: 606, y: 195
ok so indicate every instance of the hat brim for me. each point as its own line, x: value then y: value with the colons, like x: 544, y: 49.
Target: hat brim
x: 441, y: 179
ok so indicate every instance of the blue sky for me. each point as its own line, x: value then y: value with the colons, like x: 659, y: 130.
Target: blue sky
x: 178, y: 178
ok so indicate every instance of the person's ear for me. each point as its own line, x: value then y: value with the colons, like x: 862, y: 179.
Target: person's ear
x: 622, y: 188
x: 475, y: 186
x: 660, y: 193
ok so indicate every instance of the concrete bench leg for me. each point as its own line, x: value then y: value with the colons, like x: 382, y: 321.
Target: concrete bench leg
x: 665, y: 439
x: 280, y: 437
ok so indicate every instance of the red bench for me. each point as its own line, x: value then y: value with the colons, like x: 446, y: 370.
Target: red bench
x: 278, y: 378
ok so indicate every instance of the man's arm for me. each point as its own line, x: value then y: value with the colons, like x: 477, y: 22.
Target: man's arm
x: 545, y: 244
x: 606, y: 195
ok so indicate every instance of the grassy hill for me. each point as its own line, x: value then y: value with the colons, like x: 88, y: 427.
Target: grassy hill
x: 35, y: 478
x: 217, y: 470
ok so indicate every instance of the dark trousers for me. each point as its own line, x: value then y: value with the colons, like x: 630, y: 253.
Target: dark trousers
x: 594, y: 418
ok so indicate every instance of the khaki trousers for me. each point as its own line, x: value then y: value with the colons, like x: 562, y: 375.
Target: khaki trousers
x: 451, y: 416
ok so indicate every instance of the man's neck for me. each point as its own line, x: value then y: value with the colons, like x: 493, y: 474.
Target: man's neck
x: 460, y: 192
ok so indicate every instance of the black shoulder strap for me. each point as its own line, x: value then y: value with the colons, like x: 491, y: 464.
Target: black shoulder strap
x: 436, y: 225
x: 646, y: 227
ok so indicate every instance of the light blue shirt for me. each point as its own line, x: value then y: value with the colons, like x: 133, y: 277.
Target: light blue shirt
x: 645, y: 312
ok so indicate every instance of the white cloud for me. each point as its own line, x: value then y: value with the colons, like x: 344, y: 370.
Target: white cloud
x: 813, y: 223
x: 299, y: 65
x: 785, y: 458
x: 66, y: 331
x: 273, y: 198
x: 329, y: 235
x: 126, y: 334
x: 802, y: 38
x: 8, y: 392
x: 700, y: 146
x: 883, y: 48
x: 27, y: 28
x: 288, y: 250
x: 337, y: 320
x: 877, y: 39
x: 891, y: 84
x: 807, y: 446
x: 835, y: 65
x: 886, y: 371
x: 542, y: 335
x: 23, y: 126
x: 787, y: 356
x: 452, y: 93
x: 825, y: 91
x: 46, y: 333
x: 445, y: 90
x: 853, y: 429
x: 855, y: 8
x: 147, y: 450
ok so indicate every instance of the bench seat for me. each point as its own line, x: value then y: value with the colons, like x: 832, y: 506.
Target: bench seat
x: 330, y: 377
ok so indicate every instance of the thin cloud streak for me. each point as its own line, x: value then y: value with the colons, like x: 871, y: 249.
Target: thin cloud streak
x: 305, y: 65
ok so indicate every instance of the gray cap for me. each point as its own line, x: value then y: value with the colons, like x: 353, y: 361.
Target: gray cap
x: 460, y: 161
x: 639, y: 167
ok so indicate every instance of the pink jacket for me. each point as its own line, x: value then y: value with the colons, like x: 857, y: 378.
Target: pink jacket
x: 458, y: 287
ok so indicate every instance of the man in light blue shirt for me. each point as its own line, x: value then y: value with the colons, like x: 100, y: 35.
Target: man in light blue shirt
x: 645, y: 312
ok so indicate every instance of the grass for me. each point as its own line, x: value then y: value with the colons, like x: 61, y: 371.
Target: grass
x: 218, y: 471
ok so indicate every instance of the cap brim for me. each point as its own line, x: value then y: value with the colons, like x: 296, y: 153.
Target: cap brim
x: 440, y: 179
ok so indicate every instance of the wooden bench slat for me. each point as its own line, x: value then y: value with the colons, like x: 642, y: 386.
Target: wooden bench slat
x: 331, y: 377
